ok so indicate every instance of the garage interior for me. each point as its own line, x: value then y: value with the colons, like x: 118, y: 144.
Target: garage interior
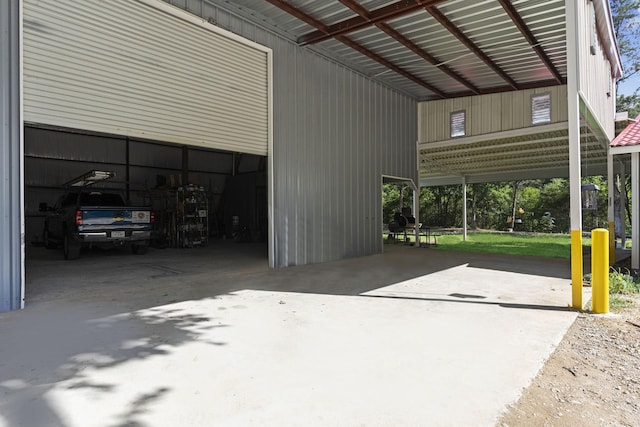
x: 176, y: 110
x: 230, y: 187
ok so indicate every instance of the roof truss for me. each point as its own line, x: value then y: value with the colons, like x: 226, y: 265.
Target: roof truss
x: 467, y: 75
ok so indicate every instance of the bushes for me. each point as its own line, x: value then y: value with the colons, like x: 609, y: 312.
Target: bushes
x: 621, y: 283
x: 621, y: 287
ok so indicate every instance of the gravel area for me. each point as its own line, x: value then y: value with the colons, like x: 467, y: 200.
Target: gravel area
x: 592, y: 379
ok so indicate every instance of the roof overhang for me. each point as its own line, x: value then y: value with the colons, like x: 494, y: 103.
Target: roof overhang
x: 435, y: 49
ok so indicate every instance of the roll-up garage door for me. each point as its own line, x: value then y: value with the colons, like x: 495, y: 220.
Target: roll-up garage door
x: 146, y: 69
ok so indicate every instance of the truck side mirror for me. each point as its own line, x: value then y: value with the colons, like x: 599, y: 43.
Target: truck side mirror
x: 42, y: 207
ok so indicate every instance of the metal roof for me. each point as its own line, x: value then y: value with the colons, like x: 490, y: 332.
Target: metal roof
x: 437, y: 49
x: 630, y: 136
x: 431, y: 49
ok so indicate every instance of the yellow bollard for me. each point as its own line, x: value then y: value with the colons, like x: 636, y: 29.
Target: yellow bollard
x: 600, y: 270
x: 576, y: 269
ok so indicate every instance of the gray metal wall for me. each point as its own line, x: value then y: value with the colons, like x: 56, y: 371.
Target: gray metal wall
x: 335, y: 134
x: 11, y: 225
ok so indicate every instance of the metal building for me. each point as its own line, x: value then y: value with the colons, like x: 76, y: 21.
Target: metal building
x: 335, y: 95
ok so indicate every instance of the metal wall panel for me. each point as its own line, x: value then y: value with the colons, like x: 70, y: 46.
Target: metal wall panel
x: 142, y: 153
x: 11, y: 165
x: 211, y: 161
x: 335, y: 134
x: 481, y: 117
x: 62, y: 145
x: 129, y: 68
x: 596, y: 84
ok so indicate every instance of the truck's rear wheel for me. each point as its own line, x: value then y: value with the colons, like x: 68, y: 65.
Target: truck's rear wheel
x: 71, y: 247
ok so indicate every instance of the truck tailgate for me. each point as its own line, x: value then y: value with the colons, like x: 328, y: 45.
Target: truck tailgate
x: 104, y: 217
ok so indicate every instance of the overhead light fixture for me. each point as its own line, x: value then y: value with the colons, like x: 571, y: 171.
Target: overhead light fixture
x: 90, y: 178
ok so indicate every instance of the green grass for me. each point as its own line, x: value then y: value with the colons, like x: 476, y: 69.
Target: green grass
x: 619, y: 302
x: 544, y: 245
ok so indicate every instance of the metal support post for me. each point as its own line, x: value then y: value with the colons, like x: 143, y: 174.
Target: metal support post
x: 611, y: 209
x: 573, y: 99
x: 464, y: 209
x: 623, y: 203
x: 11, y: 158
x: 416, y: 210
x: 635, y: 211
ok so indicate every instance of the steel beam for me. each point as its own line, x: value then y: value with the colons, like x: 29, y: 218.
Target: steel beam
x: 385, y: 13
x: 528, y: 35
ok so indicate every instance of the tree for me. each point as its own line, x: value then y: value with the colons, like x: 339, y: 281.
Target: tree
x: 626, y: 25
x: 390, y: 201
x: 630, y: 103
x: 554, y: 198
x: 485, y: 207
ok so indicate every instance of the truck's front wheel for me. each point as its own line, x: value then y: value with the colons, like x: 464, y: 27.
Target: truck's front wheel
x: 71, y: 247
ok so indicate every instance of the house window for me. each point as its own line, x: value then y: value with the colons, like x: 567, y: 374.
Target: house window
x: 457, y: 124
x: 541, y: 109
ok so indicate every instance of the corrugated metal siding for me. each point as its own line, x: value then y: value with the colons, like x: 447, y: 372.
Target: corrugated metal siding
x: 481, y: 117
x: 595, y: 73
x: 335, y: 134
x: 127, y: 68
x: 11, y: 173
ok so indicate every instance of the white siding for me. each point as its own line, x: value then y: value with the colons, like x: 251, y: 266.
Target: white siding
x: 128, y: 68
x: 487, y: 113
x: 596, y: 84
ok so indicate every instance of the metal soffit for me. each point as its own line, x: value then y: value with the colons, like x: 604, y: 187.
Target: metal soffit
x: 526, y: 153
x: 432, y: 49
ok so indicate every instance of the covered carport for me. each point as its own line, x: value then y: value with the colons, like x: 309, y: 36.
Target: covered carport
x: 348, y: 78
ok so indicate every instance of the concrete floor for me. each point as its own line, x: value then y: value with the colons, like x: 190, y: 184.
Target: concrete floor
x: 211, y: 337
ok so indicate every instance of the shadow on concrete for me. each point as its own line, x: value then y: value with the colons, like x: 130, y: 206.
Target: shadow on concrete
x: 466, y: 301
x: 63, y: 346
x: 111, y: 307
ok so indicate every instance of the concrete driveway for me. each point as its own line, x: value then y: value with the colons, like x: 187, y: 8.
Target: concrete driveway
x: 210, y: 337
